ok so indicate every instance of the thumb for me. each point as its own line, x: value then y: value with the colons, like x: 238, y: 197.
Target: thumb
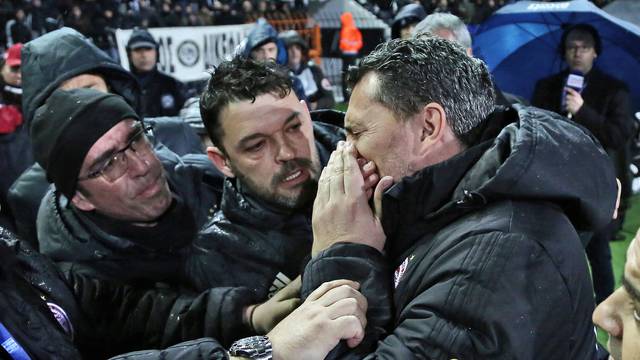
x: 382, y: 185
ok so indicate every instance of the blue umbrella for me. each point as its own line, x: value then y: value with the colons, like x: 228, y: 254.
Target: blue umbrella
x: 520, y: 42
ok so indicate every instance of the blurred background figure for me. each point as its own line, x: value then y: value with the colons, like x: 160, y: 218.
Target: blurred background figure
x: 619, y: 314
x: 317, y: 88
x: 405, y: 21
x: 162, y: 95
x: 350, y: 45
x: 600, y: 103
x: 263, y: 44
x: 13, y: 136
x: 451, y: 27
x: 18, y: 29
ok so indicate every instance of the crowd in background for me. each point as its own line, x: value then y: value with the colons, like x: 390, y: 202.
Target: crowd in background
x: 26, y: 19
x: 470, y: 11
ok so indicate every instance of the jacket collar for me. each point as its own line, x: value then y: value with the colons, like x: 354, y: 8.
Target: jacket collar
x: 430, y: 194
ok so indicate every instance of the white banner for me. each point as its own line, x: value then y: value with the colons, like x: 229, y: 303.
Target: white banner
x: 187, y: 52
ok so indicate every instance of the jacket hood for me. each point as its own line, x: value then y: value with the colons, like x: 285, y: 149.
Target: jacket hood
x: 411, y: 13
x: 346, y: 19
x: 261, y: 34
x: 62, y: 54
x: 541, y: 157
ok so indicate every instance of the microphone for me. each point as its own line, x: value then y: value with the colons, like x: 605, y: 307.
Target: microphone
x: 575, y: 80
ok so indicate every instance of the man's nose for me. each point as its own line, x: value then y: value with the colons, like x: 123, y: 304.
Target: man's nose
x: 137, y: 164
x: 607, y: 314
x: 285, y: 152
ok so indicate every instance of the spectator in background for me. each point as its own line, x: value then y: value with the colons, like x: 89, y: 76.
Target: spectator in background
x: 350, y: 43
x: 168, y: 18
x: 317, y: 88
x: 13, y: 137
x: 602, y: 106
x: 104, y: 27
x: 405, y: 21
x: 483, y: 9
x: 451, y: 27
x: 38, y: 16
x: 17, y: 29
x: 263, y: 44
x: 619, y: 314
x: 76, y: 19
x: 162, y: 95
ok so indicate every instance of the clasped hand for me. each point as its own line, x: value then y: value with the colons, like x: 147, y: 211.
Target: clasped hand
x: 341, y: 212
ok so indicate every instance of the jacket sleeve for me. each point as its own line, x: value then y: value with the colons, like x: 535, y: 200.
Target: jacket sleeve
x: 613, y: 127
x: 205, y: 348
x: 474, y: 302
x: 24, y: 198
x: 367, y: 266
x: 125, y: 318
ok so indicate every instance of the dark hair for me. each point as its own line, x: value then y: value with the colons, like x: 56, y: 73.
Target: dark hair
x: 414, y: 72
x: 582, y: 31
x: 238, y: 80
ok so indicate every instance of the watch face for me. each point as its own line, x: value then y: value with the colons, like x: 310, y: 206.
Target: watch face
x: 254, y: 347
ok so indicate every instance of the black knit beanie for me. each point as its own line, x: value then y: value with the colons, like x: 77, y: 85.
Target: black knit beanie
x: 66, y: 127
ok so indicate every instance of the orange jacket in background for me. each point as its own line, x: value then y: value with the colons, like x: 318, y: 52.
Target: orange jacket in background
x: 350, y: 36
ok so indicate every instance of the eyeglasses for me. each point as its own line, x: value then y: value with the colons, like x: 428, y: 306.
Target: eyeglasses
x: 116, y: 166
x: 14, y: 69
x: 579, y: 48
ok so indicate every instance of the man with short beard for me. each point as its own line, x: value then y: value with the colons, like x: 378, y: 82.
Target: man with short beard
x: 271, y: 153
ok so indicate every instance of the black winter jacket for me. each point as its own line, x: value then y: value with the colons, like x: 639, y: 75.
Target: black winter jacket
x: 49, y: 61
x: 72, y: 236
x: 56, y: 315
x: 488, y: 263
x: 249, y: 243
x: 162, y: 95
x: 27, y: 191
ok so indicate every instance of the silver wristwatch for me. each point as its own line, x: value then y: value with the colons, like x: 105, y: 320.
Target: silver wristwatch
x: 254, y: 347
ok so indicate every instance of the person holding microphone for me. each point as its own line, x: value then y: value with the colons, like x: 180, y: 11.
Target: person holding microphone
x: 600, y: 103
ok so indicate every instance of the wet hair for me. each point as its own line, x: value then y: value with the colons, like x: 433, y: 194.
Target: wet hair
x: 414, y: 72
x: 238, y: 80
x: 581, y: 32
x: 443, y: 21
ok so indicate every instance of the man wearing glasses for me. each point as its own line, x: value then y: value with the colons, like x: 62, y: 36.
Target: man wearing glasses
x: 600, y: 103
x: 118, y: 211
x: 116, y: 195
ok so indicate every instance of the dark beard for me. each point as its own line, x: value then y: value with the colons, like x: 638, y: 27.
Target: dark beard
x: 304, y: 198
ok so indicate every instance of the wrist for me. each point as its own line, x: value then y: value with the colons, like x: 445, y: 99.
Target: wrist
x: 254, y: 347
x: 247, y: 318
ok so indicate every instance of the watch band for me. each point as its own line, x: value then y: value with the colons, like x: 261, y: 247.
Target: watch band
x: 254, y: 347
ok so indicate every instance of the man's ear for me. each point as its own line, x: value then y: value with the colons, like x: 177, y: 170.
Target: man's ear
x: 431, y: 122
x: 81, y: 202
x: 220, y: 160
